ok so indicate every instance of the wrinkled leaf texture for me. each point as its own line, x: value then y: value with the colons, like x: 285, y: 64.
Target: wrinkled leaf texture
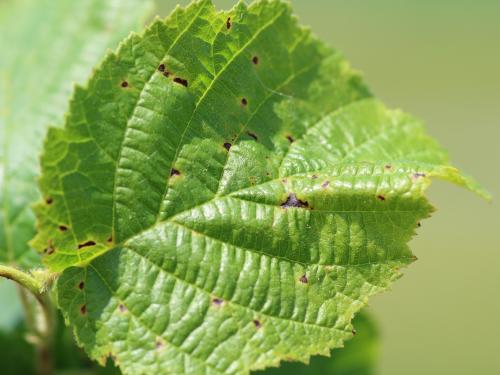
x: 226, y: 194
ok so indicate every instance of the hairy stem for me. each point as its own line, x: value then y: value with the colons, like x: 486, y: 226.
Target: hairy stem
x: 41, y: 323
x: 22, y: 278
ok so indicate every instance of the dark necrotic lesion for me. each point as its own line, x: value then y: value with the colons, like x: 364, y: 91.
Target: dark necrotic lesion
x: 293, y: 201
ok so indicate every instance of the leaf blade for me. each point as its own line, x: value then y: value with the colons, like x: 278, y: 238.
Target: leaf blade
x: 209, y: 231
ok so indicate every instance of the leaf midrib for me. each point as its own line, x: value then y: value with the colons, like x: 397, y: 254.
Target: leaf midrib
x: 204, y: 95
x: 132, y: 112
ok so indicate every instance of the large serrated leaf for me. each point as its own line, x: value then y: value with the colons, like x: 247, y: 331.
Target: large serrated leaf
x: 46, y: 45
x: 225, y: 195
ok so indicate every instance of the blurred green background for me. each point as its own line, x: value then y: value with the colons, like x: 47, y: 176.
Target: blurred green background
x: 439, y: 60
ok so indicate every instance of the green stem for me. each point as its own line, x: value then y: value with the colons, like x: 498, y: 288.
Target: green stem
x: 22, y: 278
x: 44, y: 334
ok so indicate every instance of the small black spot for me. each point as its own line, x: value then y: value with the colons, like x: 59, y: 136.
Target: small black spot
x: 161, y: 68
x: 388, y: 166
x: 175, y: 172
x: 255, y: 60
x: 181, y: 81
x: 86, y: 244
x: 419, y: 224
x: 303, y: 279
x: 122, y: 308
x: 83, y: 309
x: 354, y: 332
x: 257, y: 323
x: 49, y: 200
x: 63, y: 228
x: 325, y: 184
x: 290, y: 138
x: 314, y: 176
x: 217, y: 301
x: 418, y: 175
x: 227, y: 146
x: 124, y: 84
x: 229, y: 23
x: 81, y: 285
x: 110, y: 239
x: 49, y: 250
x: 253, y: 135
x: 414, y: 258
x: 293, y: 201
x: 159, y: 345
x: 244, y: 102
x: 166, y: 73
x: 381, y: 197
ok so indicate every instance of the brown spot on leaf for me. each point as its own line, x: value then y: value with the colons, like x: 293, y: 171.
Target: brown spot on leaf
x: 227, y: 146
x: 122, y: 308
x: 161, y: 68
x: 63, y: 228
x: 414, y: 258
x: 380, y: 197
x: 228, y: 23
x: 49, y: 200
x: 293, y: 201
x: 255, y: 60
x: 181, y: 81
x: 81, y: 285
x: 49, y: 250
x: 110, y: 239
x: 217, y: 302
x: 419, y: 224
x: 124, y: 84
x: 257, y: 323
x: 166, y: 73
x: 244, y: 102
x: 175, y: 172
x: 314, y: 176
x: 253, y: 135
x: 417, y: 175
x: 159, y: 344
x: 325, y: 184
x: 83, y: 309
x: 303, y: 279
x: 290, y: 138
x: 388, y: 166
x: 86, y: 244
x: 354, y: 332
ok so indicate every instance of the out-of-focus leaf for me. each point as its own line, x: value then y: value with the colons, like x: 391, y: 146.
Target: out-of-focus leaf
x: 10, y: 307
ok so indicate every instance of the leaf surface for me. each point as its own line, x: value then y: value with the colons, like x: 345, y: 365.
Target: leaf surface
x: 230, y: 195
x: 358, y: 357
x: 46, y: 45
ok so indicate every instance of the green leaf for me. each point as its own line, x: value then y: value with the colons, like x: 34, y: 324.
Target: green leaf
x: 11, y: 311
x: 50, y: 45
x: 359, y: 356
x: 230, y: 195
